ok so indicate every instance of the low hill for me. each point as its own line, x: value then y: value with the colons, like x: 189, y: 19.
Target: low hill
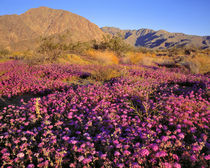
x: 160, y: 39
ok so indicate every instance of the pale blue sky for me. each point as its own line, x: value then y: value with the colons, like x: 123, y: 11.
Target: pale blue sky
x: 186, y: 16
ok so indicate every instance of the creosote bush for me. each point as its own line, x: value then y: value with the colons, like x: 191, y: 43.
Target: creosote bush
x: 52, y: 50
x: 113, y: 43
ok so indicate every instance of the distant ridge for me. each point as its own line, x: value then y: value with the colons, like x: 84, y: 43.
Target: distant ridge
x: 23, y: 31
x: 159, y: 39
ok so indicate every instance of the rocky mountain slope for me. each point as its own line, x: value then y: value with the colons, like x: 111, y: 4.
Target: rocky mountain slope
x: 25, y: 30
x: 159, y: 39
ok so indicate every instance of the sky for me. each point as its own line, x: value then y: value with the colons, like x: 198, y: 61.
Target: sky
x: 185, y: 16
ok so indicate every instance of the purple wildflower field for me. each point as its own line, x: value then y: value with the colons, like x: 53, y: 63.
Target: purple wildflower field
x: 146, y: 118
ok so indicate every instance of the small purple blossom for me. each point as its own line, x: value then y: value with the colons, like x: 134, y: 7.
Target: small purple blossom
x: 176, y: 165
x: 65, y: 138
x: 126, y: 152
x: 207, y: 157
x: 154, y: 147
x: 86, y: 160
x: 166, y: 165
x: 117, y: 153
x: 30, y: 166
x: 164, y: 138
x: 181, y: 135
x: 144, y: 152
x: 161, y: 154
x: 81, y: 158
x: 20, y: 155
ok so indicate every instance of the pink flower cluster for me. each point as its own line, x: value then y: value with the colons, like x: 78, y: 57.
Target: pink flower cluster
x: 149, y: 118
x: 18, y: 78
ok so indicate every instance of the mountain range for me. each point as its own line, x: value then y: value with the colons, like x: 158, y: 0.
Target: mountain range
x: 21, y: 32
x: 160, y: 39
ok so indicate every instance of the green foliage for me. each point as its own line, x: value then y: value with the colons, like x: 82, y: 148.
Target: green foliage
x: 114, y: 43
x: 142, y: 113
x: 50, y: 49
x: 79, y: 47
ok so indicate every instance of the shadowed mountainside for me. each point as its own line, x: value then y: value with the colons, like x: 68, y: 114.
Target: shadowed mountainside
x: 24, y: 31
x: 160, y: 39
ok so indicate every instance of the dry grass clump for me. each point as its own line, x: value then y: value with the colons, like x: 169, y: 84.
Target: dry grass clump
x: 103, y: 57
x: 2, y: 60
x: 4, y: 55
x: 135, y: 57
x: 147, y: 58
x: 73, y: 59
x: 108, y: 72
x: 204, y: 61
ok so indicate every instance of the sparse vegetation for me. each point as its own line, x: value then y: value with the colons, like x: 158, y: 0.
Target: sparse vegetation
x: 112, y: 51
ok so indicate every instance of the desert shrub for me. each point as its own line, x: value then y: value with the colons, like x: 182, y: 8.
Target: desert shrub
x: 166, y: 63
x: 106, y: 73
x: 204, y: 60
x: 73, y: 59
x: 35, y: 59
x: 182, y: 63
x: 135, y: 57
x: 53, y: 50
x: 25, y: 56
x: 4, y: 53
x: 79, y: 47
x: 125, y: 60
x: 18, y: 55
x: 148, y: 61
x: 142, y: 49
x: 70, y: 79
x: 174, y: 51
x: 103, y: 57
x: 113, y: 43
x: 139, y: 58
x: 49, y: 50
x: 192, y: 66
